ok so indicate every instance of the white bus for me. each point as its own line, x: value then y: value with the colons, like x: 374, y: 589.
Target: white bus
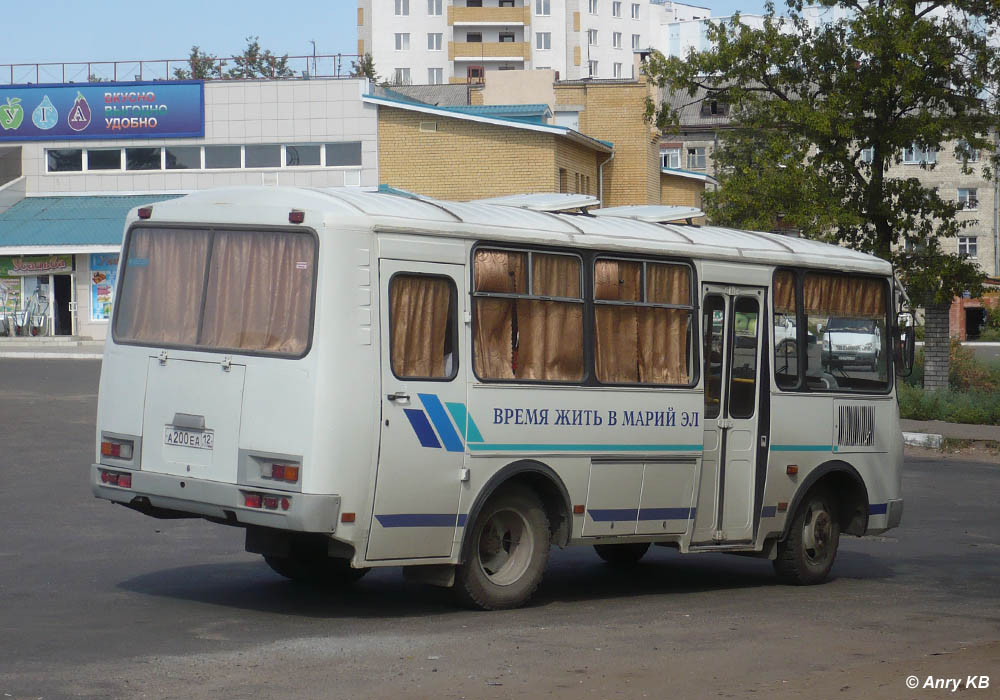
x: 364, y: 379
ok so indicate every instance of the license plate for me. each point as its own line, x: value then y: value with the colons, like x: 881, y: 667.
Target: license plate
x: 847, y: 357
x: 200, y: 439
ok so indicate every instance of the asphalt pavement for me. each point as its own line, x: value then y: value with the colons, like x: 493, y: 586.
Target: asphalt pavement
x: 101, y: 602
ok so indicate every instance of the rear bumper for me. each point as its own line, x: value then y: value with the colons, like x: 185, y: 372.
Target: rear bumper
x: 213, y: 499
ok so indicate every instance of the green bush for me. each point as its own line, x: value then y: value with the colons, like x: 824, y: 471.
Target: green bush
x: 977, y: 407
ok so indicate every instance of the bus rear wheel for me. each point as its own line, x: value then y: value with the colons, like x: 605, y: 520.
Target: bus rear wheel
x: 622, y: 556
x: 315, y: 570
x: 506, y: 553
x: 806, y: 556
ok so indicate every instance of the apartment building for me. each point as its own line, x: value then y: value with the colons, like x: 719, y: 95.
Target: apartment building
x: 442, y: 41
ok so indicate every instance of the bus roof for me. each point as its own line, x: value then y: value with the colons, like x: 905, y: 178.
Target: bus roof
x: 400, y: 213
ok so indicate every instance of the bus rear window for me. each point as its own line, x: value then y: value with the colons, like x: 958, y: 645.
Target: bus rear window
x: 240, y: 291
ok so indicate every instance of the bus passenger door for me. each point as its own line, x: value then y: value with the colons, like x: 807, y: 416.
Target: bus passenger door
x: 731, y: 322
x: 421, y: 449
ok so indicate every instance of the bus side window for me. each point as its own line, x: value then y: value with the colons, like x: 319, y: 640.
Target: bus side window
x: 422, y: 327
x: 786, y: 351
x: 713, y: 328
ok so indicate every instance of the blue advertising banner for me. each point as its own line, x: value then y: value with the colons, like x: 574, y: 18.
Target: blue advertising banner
x: 103, y: 274
x: 162, y: 109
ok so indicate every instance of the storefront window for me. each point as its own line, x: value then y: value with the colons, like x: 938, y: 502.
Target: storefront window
x: 302, y: 154
x: 104, y: 159
x: 347, y: 153
x: 263, y: 156
x: 142, y: 158
x: 222, y: 157
x: 64, y: 160
x: 183, y: 157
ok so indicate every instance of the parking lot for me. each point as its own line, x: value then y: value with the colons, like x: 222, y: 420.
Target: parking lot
x: 99, y: 601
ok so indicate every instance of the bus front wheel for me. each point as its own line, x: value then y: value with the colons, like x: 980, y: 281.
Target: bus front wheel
x: 622, y: 556
x: 806, y: 556
x: 506, y: 552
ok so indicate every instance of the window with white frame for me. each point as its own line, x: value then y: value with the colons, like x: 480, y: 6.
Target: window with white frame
x: 616, y: 40
x: 696, y: 158
x: 401, y: 76
x: 867, y: 155
x: 434, y: 7
x: 968, y: 246
x: 968, y: 198
x: 402, y: 41
x: 616, y: 8
x: 543, y: 41
x: 543, y: 8
x: 635, y: 10
x: 592, y: 67
x: 435, y: 76
x: 592, y: 37
x: 616, y: 70
x: 592, y: 6
x: 966, y: 153
x: 402, y: 8
x: 670, y: 157
x: 635, y: 42
x: 918, y: 155
x: 434, y: 41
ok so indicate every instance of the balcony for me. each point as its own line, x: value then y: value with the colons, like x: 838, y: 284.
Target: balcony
x: 504, y: 16
x: 488, y: 50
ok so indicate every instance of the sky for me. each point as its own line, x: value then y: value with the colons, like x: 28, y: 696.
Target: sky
x: 70, y: 31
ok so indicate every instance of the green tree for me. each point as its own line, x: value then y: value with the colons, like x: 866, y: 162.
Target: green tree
x: 364, y: 67
x: 838, y: 102
x: 201, y: 66
x: 256, y: 63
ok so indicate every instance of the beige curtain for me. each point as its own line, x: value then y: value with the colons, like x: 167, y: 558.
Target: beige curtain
x: 668, y: 284
x: 844, y: 296
x: 259, y: 292
x: 550, y: 333
x: 418, y: 313
x: 784, y: 292
x: 502, y: 272
x: 617, y: 327
x: 160, y: 300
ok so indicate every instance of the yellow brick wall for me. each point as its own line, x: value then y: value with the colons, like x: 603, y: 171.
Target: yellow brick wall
x: 576, y: 160
x: 681, y: 191
x: 361, y: 16
x: 467, y: 160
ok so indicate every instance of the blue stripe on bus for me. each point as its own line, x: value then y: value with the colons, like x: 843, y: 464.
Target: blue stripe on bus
x: 606, y: 515
x: 537, y: 447
x: 878, y: 508
x: 432, y: 404
x: 666, y: 513
x: 421, y: 427
x: 801, y: 448
x: 466, y: 426
x: 418, y: 520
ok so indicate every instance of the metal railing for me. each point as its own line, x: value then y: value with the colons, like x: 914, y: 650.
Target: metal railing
x: 302, y: 68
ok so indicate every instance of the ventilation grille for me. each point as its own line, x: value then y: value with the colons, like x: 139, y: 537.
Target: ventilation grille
x: 856, y: 426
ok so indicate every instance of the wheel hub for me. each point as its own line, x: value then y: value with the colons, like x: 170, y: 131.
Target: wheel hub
x: 505, y: 547
x: 817, y: 535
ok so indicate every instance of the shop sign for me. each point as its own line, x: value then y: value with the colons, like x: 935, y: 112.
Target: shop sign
x: 103, y: 276
x: 161, y: 109
x: 26, y: 265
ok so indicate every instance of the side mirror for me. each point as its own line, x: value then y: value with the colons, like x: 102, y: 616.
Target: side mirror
x: 905, y: 342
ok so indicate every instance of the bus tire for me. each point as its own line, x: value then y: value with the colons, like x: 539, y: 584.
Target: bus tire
x: 622, y: 556
x: 507, y: 552
x: 807, y: 554
x: 320, y: 571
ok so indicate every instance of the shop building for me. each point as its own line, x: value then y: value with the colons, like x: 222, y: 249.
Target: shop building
x: 74, y: 159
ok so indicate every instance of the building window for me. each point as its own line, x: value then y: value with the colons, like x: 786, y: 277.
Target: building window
x: 635, y: 42
x: 506, y: 37
x: 402, y: 42
x: 696, y: 158
x: 474, y: 37
x: 262, y: 155
x: 473, y: 3
x: 104, y: 159
x: 592, y: 37
x: 966, y: 153
x: 223, y: 157
x: 344, y: 153
x: 434, y: 7
x: 670, y: 158
x: 635, y: 10
x: 968, y: 246
x: 592, y: 6
x: 592, y: 67
x: 506, y: 3
x: 302, y: 154
x: 435, y: 76
x: 183, y: 157
x: 867, y: 155
x: 434, y: 42
x: 401, y: 76
x: 402, y: 8
x: 616, y: 71
x: 917, y: 155
x: 543, y: 41
x: 143, y: 159
x: 543, y: 8
x: 968, y: 198
x: 616, y: 40
x: 64, y: 160
x: 616, y: 8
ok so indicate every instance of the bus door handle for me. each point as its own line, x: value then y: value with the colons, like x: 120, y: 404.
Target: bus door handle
x: 398, y: 397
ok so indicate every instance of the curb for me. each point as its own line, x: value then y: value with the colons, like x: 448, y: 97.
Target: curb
x: 51, y: 356
x: 922, y: 440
